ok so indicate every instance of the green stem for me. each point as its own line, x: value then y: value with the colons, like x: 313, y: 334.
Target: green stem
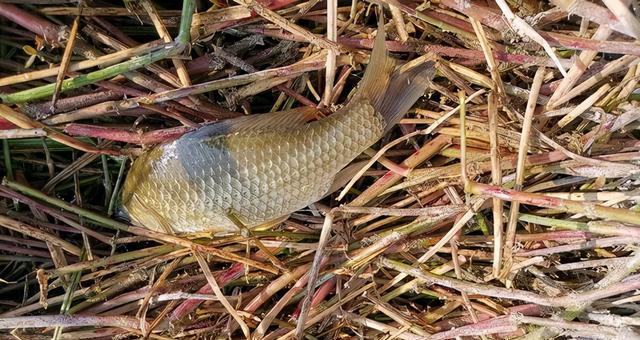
x: 107, y: 181
x: 158, y: 236
x: 163, y: 52
x: 590, y: 209
x: 188, y: 7
x: 68, y: 299
x: 596, y: 227
x: 116, y: 189
x: 112, y: 260
x: 64, y: 205
x: 44, y: 91
x: 552, y: 222
x: 7, y: 158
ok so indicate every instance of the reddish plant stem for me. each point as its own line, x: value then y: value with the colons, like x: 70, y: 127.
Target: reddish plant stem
x: 494, y: 20
x: 526, y: 309
x: 461, y: 24
x: 590, y: 244
x: 19, y: 34
x: 201, y: 64
x: 113, y: 86
x: 297, y: 96
x: 6, y: 125
x: 548, y: 88
x: 560, y: 235
x: 208, y: 109
x: 115, y: 31
x: 6, y: 192
x: 284, y: 300
x: 595, y: 13
x: 171, y: 114
x: 20, y: 250
x: 120, y: 89
x: 217, y: 25
x: 25, y: 122
x: 188, y: 306
x: 71, y: 103
x: 52, y: 33
x: 488, y: 326
x: 390, y: 178
x: 234, y: 272
x: 31, y: 22
x: 397, y: 46
x: 41, y: 321
x: 574, y: 42
x: 422, y: 244
x: 567, y: 300
x: 120, y: 107
x: 510, y: 323
x: 323, y: 291
x: 555, y: 40
x: 588, y: 208
x: 284, y: 71
x: 300, y: 273
x: 181, y: 285
x: 232, y: 59
x: 121, y: 135
x: 222, y: 113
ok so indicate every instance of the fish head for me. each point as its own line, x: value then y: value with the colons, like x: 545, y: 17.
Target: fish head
x: 143, y: 215
x: 121, y: 213
x: 133, y: 205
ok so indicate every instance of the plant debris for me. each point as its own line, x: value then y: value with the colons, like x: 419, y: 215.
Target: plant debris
x: 504, y: 204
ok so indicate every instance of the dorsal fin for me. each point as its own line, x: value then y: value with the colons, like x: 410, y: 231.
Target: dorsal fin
x: 278, y: 121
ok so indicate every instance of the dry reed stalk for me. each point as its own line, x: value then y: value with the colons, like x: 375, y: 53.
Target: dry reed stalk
x: 66, y: 59
x: 408, y: 256
x: 496, y: 179
x: 514, y: 209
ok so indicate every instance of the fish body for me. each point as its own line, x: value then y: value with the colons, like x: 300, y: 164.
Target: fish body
x: 259, y: 168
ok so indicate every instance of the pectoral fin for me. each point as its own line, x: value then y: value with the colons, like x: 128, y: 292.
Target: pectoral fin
x: 149, y: 218
x: 344, y: 176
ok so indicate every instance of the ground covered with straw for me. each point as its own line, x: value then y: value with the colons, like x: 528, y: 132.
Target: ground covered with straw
x: 503, y: 205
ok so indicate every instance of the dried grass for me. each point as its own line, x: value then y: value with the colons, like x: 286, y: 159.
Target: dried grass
x: 505, y: 204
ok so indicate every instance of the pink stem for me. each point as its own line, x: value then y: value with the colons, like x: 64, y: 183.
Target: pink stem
x: 323, y: 291
x: 234, y: 272
x: 397, y: 46
x: 31, y: 22
x: 574, y: 42
x: 6, y: 125
x: 121, y: 135
x: 273, y: 5
x: 528, y: 309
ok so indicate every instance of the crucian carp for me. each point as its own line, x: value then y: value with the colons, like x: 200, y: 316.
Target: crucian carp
x: 265, y: 166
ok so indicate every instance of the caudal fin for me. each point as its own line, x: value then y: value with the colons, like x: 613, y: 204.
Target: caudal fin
x: 392, y: 91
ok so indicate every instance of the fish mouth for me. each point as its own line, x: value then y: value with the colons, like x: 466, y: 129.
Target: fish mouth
x: 121, y: 213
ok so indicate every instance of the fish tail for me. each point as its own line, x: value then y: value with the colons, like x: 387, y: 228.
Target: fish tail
x: 392, y: 91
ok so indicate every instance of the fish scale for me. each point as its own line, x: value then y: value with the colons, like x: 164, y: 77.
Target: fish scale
x: 257, y: 176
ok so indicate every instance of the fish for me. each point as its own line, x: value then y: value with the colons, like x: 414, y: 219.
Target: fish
x: 241, y: 173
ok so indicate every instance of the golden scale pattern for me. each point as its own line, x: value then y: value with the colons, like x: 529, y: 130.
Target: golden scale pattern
x: 192, y: 184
